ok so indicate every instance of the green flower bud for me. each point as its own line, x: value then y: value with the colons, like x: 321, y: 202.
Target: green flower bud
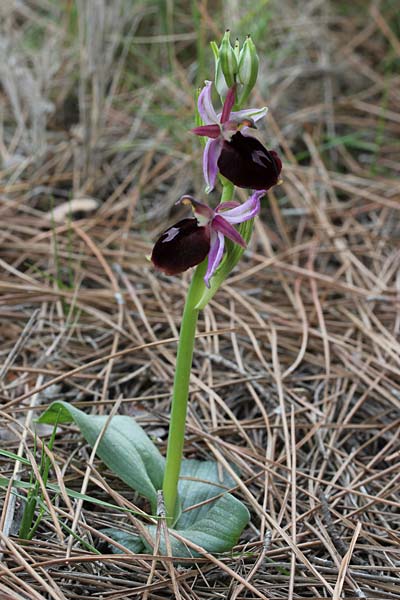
x: 236, y: 49
x: 228, y: 61
x: 248, y: 66
x: 220, y: 82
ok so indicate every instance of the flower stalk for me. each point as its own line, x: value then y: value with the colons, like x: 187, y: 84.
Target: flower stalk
x: 180, y: 394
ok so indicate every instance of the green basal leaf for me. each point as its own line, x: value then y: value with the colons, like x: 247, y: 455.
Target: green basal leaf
x: 199, y: 481
x: 218, y: 530
x: 210, y: 517
x: 131, y: 541
x: 125, y: 448
x: 217, y: 519
x: 232, y: 256
x: 215, y: 523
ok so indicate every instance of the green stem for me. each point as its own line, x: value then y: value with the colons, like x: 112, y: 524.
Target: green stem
x: 227, y: 191
x: 180, y: 394
x: 176, y: 436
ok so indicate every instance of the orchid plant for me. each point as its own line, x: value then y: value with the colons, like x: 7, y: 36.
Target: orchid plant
x: 193, y: 495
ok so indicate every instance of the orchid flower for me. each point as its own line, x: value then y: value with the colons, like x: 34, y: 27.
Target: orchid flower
x: 239, y: 157
x: 188, y: 242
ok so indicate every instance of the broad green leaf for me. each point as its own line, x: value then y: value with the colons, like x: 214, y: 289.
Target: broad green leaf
x: 211, y: 517
x: 218, y: 518
x: 215, y: 525
x: 200, y: 480
x: 218, y: 530
x: 131, y: 541
x: 125, y: 448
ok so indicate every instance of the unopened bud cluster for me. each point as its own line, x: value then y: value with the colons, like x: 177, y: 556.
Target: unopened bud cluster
x: 235, y: 65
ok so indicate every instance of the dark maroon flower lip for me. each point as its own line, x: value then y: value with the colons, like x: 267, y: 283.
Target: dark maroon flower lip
x: 248, y: 164
x: 184, y: 245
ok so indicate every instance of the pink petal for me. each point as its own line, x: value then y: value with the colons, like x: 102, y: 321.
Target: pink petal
x: 205, y: 105
x: 245, y: 211
x: 214, y: 256
x: 211, y: 131
x: 228, y: 104
x: 224, y: 205
x: 250, y: 113
x: 211, y: 155
x: 219, y: 224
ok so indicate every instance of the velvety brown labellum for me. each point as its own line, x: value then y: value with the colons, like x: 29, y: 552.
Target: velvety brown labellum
x: 248, y: 164
x: 180, y: 247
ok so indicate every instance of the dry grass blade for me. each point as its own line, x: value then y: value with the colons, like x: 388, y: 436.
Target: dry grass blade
x: 344, y: 565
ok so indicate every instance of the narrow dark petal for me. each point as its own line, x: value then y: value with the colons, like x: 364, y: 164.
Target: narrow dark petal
x: 248, y: 164
x: 219, y: 224
x: 211, y: 131
x: 180, y: 247
x: 228, y: 104
x: 202, y: 212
